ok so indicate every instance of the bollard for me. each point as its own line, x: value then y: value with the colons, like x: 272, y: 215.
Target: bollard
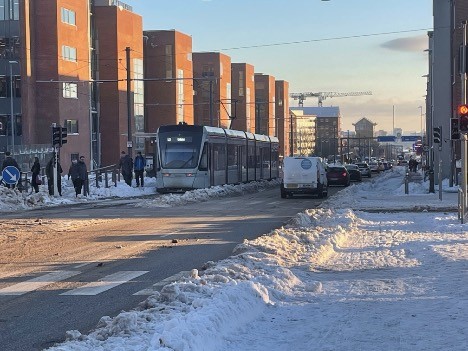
x: 106, y: 181
x: 96, y: 174
x: 407, y: 183
x: 431, y: 181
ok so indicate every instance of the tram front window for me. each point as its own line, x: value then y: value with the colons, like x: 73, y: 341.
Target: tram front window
x: 179, y: 151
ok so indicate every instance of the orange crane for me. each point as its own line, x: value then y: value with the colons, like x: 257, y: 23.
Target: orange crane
x: 323, y: 95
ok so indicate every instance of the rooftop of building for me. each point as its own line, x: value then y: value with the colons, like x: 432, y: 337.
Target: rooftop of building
x: 319, y: 111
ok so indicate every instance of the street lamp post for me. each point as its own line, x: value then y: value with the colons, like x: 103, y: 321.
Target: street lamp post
x: 12, y: 115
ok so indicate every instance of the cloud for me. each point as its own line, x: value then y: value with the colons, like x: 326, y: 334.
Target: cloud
x: 411, y: 44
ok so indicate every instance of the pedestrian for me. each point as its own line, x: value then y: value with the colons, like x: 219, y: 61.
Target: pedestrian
x: 10, y: 161
x: 35, y: 178
x: 140, y: 164
x: 126, y: 167
x: 74, y: 174
x: 83, y: 174
x: 50, y: 176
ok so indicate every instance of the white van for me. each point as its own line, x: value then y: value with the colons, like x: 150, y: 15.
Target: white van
x: 304, y: 175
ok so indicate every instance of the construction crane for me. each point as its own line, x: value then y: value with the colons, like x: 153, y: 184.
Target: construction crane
x: 323, y: 95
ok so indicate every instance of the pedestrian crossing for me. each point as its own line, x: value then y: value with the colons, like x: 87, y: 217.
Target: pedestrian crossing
x: 90, y: 288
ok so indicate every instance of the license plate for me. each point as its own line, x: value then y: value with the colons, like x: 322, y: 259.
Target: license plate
x: 291, y: 186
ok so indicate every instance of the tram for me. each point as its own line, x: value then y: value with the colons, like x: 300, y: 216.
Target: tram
x: 194, y: 157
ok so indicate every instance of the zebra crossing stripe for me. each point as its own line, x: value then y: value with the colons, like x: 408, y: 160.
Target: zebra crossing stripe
x: 37, y: 283
x: 157, y: 287
x: 106, y: 283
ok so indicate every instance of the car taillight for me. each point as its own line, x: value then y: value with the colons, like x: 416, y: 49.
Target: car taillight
x: 189, y: 174
x: 344, y: 174
x: 166, y: 174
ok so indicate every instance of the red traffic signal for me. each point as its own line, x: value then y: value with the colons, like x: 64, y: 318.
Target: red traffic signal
x: 463, y: 117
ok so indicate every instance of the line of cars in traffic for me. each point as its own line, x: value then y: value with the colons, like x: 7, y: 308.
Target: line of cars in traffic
x: 312, y: 175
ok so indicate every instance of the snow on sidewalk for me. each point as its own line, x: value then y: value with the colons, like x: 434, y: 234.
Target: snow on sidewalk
x: 335, y: 279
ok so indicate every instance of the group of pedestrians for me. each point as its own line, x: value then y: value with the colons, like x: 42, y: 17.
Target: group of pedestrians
x: 127, y: 167
x: 78, y: 172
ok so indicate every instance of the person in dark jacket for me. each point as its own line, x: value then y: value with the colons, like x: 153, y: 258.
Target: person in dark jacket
x: 79, y: 175
x: 74, y: 174
x: 50, y: 176
x: 126, y: 167
x: 9, y: 161
x: 35, y: 169
x: 139, y: 167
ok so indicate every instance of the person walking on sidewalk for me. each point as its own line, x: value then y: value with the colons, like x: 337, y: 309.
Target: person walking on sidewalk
x: 126, y: 167
x: 139, y: 167
x: 35, y: 169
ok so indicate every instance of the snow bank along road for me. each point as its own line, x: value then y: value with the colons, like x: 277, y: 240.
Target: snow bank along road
x: 65, y: 268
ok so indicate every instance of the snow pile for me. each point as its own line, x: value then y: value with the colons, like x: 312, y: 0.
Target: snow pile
x: 387, y: 192
x: 201, y: 195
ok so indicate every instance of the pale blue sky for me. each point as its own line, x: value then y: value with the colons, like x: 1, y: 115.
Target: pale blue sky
x: 389, y: 65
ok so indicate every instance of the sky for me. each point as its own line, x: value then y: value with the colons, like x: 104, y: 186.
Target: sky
x: 334, y: 278
x: 318, y: 46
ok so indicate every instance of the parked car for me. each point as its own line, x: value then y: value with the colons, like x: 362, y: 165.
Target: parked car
x: 374, y: 167
x: 365, y: 170
x: 354, y: 172
x: 338, y: 175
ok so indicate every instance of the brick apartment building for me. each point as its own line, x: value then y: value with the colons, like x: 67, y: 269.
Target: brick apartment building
x: 53, y: 72
x: 265, y: 104
x: 243, y: 95
x: 282, y: 116
x: 212, y: 87
x: 168, y: 60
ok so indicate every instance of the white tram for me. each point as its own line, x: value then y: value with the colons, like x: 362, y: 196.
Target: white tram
x: 192, y: 157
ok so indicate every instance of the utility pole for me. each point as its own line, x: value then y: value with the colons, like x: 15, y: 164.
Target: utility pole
x: 291, y: 139
x: 129, y: 103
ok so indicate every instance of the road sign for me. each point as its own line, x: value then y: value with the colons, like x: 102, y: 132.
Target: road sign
x: 11, y: 175
x: 386, y: 138
x: 410, y: 138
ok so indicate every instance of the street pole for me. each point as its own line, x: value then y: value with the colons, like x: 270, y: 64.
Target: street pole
x: 291, y: 145
x: 129, y: 103
x: 463, y: 136
x: 12, y: 113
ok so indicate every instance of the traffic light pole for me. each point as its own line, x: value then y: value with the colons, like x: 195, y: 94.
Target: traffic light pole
x: 463, y: 137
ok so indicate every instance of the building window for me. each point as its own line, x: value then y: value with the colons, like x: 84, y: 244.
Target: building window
x: 68, y: 53
x: 168, y: 59
x: 3, y: 87
x: 72, y: 126
x: 228, y: 96
x: 70, y: 90
x: 68, y: 16
x: 180, y: 96
x: 74, y: 156
x: 241, y: 83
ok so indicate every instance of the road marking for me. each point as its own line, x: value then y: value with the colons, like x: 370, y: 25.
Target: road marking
x: 37, y: 283
x: 83, y: 264
x: 106, y: 283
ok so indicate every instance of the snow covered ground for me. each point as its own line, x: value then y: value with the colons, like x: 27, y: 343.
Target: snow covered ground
x: 336, y: 278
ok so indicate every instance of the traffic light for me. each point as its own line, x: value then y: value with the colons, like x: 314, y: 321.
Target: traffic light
x: 436, y: 135
x: 454, y: 129
x: 463, y: 118
x: 56, y: 135
x: 63, y: 136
